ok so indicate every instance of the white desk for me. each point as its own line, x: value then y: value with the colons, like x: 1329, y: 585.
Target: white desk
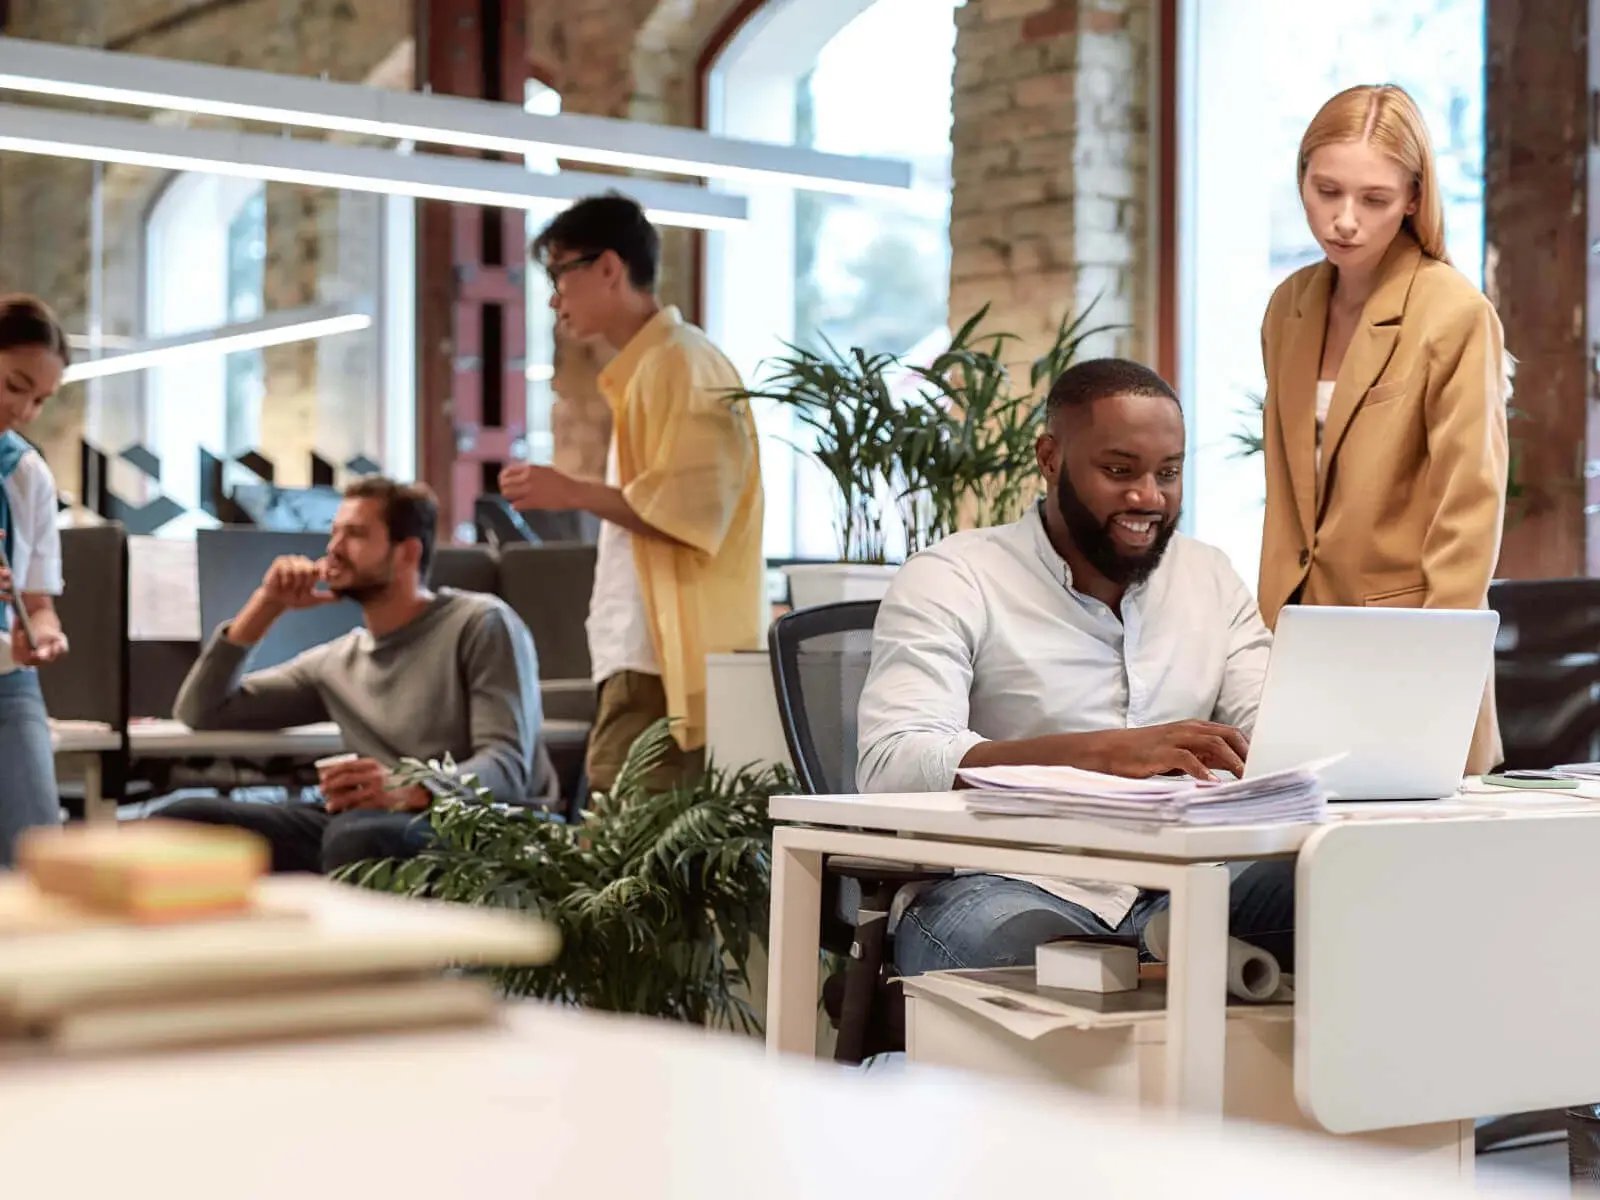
x: 1424, y: 934
x: 88, y: 741
x: 173, y: 739
x: 938, y: 831
x: 85, y: 743
x: 561, y: 1103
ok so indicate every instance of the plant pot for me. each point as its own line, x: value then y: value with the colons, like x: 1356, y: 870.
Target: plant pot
x: 742, y: 722
x: 811, y: 584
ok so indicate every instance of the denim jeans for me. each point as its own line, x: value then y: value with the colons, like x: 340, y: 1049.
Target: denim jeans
x: 993, y: 921
x: 28, y: 792
x: 305, y: 837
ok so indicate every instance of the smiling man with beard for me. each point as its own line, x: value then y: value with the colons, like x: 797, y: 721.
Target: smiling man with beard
x: 1089, y: 633
x: 427, y: 675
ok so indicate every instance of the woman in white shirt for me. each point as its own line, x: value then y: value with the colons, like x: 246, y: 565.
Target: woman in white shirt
x: 33, y: 356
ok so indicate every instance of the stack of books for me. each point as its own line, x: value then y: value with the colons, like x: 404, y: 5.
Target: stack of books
x: 1283, y: 796
x: 163, y: 934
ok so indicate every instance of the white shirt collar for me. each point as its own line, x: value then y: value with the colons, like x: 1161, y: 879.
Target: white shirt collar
x: 1059, y: 568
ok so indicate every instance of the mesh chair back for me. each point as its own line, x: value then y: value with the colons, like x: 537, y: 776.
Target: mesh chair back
x: 820, y: 658
x: 1547, y: 670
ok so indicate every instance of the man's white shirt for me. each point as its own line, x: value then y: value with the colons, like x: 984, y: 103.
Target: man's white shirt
x: 983, y: 637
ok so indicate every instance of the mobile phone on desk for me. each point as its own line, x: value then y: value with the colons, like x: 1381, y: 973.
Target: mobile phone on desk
x: 16, y: 601
x: 1541, y: 781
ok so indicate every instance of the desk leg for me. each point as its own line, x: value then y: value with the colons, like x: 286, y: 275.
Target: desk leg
x: 1197, y: 995
x: 96, y: 809
x: 794, y: 945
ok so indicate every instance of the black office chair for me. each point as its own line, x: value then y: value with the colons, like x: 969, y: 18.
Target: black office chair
x: 92, y: 682
x: 498, y: 524
x: 1547, y: 670
x: 820, y: 658
x: 465, y: 569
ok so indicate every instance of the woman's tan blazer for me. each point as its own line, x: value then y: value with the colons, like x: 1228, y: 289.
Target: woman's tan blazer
x: 1407, y: 506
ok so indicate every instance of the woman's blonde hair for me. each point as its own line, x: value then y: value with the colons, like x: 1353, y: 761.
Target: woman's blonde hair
x: 1386, y: 117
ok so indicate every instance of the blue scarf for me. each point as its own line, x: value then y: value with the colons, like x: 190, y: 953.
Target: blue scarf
x: 12, y: 450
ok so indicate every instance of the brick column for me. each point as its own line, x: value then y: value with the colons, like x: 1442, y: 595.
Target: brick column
x: 471, y: 310
x: 1050, y: 201
x: 1539, y: 227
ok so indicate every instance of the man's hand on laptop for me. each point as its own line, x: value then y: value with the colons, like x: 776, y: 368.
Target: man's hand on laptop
x: 1184, y: 747
x: 365, y: 783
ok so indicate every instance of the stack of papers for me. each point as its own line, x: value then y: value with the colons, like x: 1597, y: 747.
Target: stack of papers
x: 1583, y: 772
x: 1291, y: 795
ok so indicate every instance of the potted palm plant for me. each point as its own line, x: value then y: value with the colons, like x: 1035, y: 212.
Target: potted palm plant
x: 915, y: 451
x: 660, y: 897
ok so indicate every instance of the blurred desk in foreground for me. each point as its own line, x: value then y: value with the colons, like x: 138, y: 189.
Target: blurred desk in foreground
x: 702, y: 1116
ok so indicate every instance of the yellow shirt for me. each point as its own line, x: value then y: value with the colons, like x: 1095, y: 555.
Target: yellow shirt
x: 688, y: 464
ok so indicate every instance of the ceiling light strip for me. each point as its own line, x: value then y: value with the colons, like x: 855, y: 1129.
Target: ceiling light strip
x: 115, y: 77
x: 277, y: 330
x: 353, y: 168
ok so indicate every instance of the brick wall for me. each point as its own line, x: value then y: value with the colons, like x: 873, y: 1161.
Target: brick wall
x: 1050, y: 166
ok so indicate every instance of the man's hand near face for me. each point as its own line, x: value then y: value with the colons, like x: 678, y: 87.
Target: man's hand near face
x: 291, y: 583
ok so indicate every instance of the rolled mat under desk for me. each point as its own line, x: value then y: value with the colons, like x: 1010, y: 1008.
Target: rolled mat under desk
x: 1253, y: 974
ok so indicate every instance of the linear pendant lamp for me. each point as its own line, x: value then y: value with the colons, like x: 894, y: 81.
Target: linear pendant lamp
x: 276, y: 329
x: 354, y: 168
x: 117, y: 78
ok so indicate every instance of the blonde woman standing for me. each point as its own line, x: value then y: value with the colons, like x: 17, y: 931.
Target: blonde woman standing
x: 1387, y: 384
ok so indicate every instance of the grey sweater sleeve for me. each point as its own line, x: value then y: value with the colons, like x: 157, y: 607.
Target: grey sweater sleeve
x: 501, y: 669
x: 218, y: 695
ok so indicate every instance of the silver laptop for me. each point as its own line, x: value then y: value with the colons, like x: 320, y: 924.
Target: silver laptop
x: 1394, y: 690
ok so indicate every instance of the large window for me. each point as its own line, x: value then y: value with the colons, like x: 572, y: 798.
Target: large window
x: 1252, y: 75
x: 206, y: 255
x: 220, y: 254
x: 856, y: 270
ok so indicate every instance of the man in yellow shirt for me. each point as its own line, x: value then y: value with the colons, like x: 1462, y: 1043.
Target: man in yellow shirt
x: 679, y: 572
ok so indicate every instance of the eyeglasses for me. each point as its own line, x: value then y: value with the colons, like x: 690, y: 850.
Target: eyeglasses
x: 559, y: 271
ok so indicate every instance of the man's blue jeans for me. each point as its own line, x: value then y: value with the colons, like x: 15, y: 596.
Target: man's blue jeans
x: 28, y: 792
x: 992, y: 921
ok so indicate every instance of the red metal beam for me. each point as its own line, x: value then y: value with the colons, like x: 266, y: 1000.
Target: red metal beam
x: 471, y: 311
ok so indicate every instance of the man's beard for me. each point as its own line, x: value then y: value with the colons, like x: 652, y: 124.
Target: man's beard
x: 1093, y: 538
x: 363, y: 588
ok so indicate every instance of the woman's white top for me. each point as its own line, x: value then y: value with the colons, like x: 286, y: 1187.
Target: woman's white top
x: 1324, y: 403
x: 36, y: 556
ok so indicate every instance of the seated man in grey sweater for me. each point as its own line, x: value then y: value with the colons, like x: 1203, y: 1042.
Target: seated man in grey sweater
x: 429, y: 675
